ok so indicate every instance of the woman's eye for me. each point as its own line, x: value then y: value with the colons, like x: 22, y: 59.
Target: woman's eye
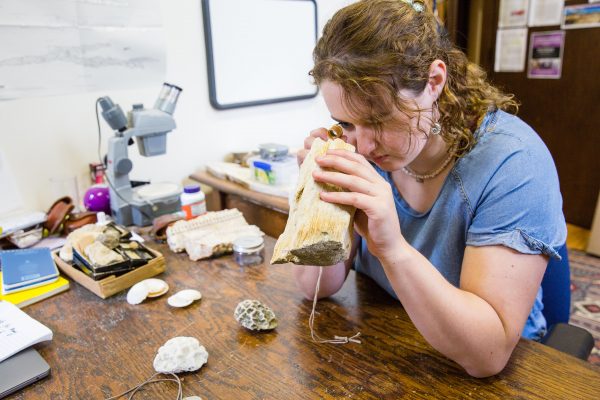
x: 345, y: 125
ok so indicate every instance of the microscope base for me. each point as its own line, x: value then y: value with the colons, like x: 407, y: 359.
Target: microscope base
x: 144, y: 214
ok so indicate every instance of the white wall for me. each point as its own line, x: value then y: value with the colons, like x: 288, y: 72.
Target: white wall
x: 50, y: 137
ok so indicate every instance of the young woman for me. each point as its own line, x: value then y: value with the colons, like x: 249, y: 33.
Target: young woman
x: 458, y: 201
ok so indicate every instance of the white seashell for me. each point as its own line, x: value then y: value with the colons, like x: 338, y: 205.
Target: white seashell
x: 190, y: 294
x: 192, y: 398
x: 156, y: 287
x: 137, y: 293
x: 180, y: 354
x: 179, y: 301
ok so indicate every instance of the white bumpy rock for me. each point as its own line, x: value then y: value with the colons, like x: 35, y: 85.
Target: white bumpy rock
x: 180, y: 354
x: 254, y: 315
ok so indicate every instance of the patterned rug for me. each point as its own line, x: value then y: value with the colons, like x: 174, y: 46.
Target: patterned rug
x: 585, y: 296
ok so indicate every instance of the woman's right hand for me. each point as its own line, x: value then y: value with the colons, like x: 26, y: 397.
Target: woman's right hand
x: 317, y: 133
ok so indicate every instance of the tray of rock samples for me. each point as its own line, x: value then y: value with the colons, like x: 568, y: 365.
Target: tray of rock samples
x: 106, y: 260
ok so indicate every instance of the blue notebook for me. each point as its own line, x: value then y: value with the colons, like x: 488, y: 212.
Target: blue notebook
x: 27, y: 268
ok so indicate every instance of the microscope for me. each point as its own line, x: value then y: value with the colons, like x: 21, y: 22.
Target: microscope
x: 141, y: 204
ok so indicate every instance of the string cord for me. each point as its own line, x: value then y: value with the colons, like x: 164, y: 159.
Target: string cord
x: 135, y: 389
x: 311, y: 322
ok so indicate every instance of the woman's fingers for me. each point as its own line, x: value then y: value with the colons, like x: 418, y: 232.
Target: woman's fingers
x: 345, y: 162
x: 349, y: 155
x: 308, y: 141
x: 358, y: 200
x: 348, y: 182
x: 317, y: 133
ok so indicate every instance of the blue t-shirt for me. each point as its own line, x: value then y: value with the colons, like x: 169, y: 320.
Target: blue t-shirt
x: 505, y: 191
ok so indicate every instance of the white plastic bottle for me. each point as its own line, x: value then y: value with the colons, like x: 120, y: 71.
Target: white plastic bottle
x: 192, y: 201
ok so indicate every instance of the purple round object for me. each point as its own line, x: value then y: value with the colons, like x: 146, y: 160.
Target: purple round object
x: 97, y: 199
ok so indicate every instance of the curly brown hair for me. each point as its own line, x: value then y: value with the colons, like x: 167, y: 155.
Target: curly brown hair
x: 375, y: 48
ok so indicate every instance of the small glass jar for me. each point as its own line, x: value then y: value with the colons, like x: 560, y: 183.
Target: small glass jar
x: 249, y: 250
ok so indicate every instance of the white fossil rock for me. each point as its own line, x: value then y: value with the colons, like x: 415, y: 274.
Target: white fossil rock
x: 316, y: 232
x: 180, y: 354
x: 210, y: 234
x: 254, y: 315
x: 91, y: 230
x: 99, y: 254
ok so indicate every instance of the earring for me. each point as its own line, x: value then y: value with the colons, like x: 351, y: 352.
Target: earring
x: 436, y: 127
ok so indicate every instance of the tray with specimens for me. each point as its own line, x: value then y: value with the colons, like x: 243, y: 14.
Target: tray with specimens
x: 105, y: 260
x: 101, y: 261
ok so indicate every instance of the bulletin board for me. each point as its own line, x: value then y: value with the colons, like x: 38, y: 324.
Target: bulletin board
x: 259, y: 51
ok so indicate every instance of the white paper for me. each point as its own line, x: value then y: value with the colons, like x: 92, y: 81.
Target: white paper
x: 545, y: 12
x: 18, y: 330
x: 74, y: 46
x: 511, y: 49
x: 513, y: 13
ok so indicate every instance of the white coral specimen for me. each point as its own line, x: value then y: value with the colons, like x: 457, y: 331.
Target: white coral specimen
x: 254, y: 315
x: 180, y: 354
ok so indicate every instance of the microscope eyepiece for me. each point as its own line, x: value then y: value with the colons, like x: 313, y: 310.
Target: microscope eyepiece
x: 113, y: 114
x: 167, y: 98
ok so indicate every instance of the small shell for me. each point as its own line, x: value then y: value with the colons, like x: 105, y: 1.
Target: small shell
x: 184, y: 298
x: 179, y: 301
x: 190, y: 294
x: 156, y: 287
x: 137, y: 293
x: 192, y: 398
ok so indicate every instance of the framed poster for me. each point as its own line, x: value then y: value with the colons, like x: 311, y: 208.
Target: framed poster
x: 259, y: 51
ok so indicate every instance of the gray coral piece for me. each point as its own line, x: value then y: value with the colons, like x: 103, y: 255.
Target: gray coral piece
x: 254, y: 315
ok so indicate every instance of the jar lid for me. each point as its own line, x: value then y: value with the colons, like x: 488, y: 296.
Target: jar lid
x: 273, y: 151
x: 191, y: 189
x: 245, y: 244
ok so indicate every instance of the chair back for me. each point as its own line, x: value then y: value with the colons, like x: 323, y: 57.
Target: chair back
x: 556, y: 289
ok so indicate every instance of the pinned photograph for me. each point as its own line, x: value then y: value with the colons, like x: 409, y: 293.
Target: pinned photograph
x: 545, y: 55
x: 581, y: 16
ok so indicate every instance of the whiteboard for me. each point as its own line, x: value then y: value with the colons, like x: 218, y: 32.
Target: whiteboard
x: 259, y: 51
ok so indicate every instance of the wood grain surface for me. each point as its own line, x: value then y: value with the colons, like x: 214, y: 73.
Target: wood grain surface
x: 104, y: 347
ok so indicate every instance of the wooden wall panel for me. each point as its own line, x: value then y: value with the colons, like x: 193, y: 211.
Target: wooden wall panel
x: 564, y: 112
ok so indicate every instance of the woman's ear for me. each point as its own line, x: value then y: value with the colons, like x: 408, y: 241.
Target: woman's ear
x: 437, y: 78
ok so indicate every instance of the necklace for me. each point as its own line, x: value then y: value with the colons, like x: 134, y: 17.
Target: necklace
x: 421, y: 178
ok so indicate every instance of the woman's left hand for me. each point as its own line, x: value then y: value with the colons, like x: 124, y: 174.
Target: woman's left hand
x: 376, y: 217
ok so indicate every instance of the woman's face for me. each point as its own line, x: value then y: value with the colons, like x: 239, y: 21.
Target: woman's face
x: 393, y: 147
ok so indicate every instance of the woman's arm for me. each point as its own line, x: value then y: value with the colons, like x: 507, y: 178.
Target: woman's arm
x: 476, y: 325
x: 332, y: 279
x: 479, y: 324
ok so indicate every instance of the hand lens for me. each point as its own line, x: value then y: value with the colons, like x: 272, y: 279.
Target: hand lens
x: 335, y: 132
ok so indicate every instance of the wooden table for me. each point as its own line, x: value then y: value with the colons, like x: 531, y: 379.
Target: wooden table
x: 266, y: 211
x: 103, y: 347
